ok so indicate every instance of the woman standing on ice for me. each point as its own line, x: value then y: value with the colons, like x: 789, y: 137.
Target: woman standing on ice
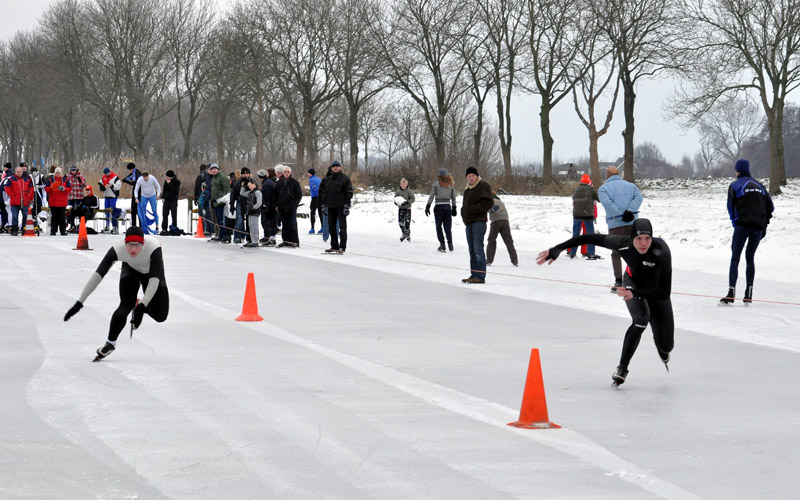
x: 647, y: 284
x: 443, y: 193
x: 142, y: 266
x: 403, y: 198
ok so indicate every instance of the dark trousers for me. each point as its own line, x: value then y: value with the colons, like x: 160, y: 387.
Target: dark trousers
x: 134, y: 210
x: 58, y: 220
x: 404, y: 221
x: 316, y: 209
x: 73, y: 204
x: 616, y: 260
x: 657, y: 313
x: 503, y: 228
x: 269, y: 223
x: 129, y: 283
x: 338, y: 241
x: 477, y: 258
x: 752, y: 237
x: 443, y: 215
x: 219, y: 212
x: 169, y: 207
x: 289, y: 225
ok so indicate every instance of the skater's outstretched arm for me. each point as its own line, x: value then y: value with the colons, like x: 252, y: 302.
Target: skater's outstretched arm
x: 94, y: 280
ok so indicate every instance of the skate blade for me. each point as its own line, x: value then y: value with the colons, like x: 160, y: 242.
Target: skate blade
x: 615, y: 384
x: 667, y: 367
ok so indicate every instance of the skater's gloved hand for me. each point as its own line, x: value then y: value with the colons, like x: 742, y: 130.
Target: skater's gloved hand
x: 453, y: 211
x: 73, y: 310
x: 138, y: 315
x: 62, y: 188
x: 427, y: 211
x: 547, y: 256
x: 627, y: 216
x: 346, y: 210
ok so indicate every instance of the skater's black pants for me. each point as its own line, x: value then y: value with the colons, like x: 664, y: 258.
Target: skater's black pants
x: 288, y: 218
x: 169, y: 207
x: 58, y: 220
x: 752, y: 237
x: 316, y: 209
x: 338, y: 241
x: 656, y: 312
x: 443, y: 215
x: 129, y: 283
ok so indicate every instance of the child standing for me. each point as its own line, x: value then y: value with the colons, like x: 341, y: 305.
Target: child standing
x: 253, y: 212
x: 403, y: 198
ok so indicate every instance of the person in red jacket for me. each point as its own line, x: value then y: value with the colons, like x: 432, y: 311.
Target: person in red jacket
x: 58, y: 189
x: 19, y: 189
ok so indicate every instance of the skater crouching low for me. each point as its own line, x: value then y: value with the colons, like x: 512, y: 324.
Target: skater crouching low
x: 646, y: 287
x: 142, y: 266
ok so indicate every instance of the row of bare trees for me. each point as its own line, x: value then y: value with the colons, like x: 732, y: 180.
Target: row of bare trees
x: 397, y: 80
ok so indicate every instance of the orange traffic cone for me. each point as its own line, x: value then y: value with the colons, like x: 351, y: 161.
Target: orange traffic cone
x: 533, y: 414
x: 250, y: 306
x: 83, y: 241
x: 199, y: 233
x: 29, y: 230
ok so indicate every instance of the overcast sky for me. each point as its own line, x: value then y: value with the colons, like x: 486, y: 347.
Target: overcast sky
x: 570, y: 136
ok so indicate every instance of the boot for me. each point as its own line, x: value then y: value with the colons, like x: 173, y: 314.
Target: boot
x: 728, y: 299
x: 104, y: 351
x: 450, y: 245
x: 748, y: 295
x: 441, y: 248
x: 619, y: 375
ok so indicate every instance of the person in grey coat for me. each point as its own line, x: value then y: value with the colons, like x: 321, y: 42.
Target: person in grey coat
x: 443, y: 193
x: 498, y: 216
x: 253, y: 211
x: 584, y: 212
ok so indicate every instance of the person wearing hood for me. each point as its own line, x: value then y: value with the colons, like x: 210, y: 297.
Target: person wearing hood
x: 110, y: 185
x: 646, y: 287
x: 584, y: 212
x: 750, y: 208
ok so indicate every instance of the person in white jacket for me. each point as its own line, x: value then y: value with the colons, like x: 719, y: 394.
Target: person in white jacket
x: 146, y: 192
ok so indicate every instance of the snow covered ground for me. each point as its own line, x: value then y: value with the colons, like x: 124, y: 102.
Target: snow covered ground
x: 377, y: 374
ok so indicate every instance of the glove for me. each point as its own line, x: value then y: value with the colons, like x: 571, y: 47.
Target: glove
x: 553, y: 253
x: 138, y: 315
x: 427, y: 211
x: 73, y: 310
x: 346, y: 210
x: 62, y: 188
x: 627, y: 216
x: 453, y: 211
x: 325, y: 210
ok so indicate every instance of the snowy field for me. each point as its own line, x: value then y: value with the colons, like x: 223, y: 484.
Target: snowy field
x: 379, y: 375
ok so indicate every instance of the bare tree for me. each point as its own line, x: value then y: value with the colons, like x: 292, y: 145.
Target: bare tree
x: 728, y: 125
x: 643, y: 34
x: 746, y: 46
x: 422, y: 45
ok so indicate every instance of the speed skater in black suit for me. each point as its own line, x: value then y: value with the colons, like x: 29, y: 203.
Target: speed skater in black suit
x: 646, y: 287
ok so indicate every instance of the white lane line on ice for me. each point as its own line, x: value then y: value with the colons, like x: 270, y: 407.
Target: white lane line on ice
x: 481, y: 410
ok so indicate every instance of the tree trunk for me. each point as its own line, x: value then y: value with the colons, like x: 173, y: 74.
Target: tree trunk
x: 594, y: 157
x: 627, y: 134
x: 478, y: 138
x: 260, y: 127
x: 547, y: 141
x: 353, y: 133
x: 775, y: 128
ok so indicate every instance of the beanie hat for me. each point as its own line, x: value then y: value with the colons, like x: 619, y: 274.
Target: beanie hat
x: 312, y: 171
x: 261, y: 173
x: 442, y: 172
x: 106, y: 170
x: 245, y: 170
x: 134, y: 234
x: 641, y: 226
x: 7, y: 165
x: 131, y: 166
x: 743, y: 166
x: 170, y: 173
x: 585, y: 179
x: 472, y: 170
x: 336, y: 164
x: 74, y: 167
x: 58, y: 171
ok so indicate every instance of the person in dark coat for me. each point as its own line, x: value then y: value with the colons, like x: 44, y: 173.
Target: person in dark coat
x: 584, y: 211
x: 169, y: 195
x: 338, y: 195
x: 130, y: 179
x: 750, y: 208
x: 288, y: 195
x: 269, y: 215
x: 476, y: 204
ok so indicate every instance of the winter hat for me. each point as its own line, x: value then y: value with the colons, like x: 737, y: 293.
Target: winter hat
x: 106, y: 170
x: 74, y: 167
x: 472, y: 170
x: 743, y: 166
x: 245, y: 170
x: 131, y: 166
x: 6, y: 165
x: 261, y: 173
x: 23, y: 164
x: 170, y: 173
x: 585, y: 179
x: 336, y: 164
x: 213, y: 166
x: 312, y: 171
x: 58, y: 171
x: 442, y: 172
x: 641, y: 226
x: 134, y: 234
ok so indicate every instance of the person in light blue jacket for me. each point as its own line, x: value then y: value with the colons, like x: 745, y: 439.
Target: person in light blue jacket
x: 621, y: 200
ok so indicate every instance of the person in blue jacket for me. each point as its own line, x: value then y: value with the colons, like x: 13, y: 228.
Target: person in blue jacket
x: 621, y: 200
x: 750, y: 208
x: 316, y: 206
